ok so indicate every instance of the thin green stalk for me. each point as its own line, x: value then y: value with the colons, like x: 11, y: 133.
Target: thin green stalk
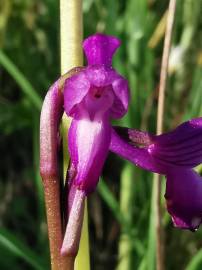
x: 71, y: 35
x: 126, y: 228
x: 191, y: 19
x: 160, y: 113
x: 125, y: 244
x: 113, y: 204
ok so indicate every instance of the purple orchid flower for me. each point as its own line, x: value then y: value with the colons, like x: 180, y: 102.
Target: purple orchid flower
x: 92, y: 97
x: 173, y: 154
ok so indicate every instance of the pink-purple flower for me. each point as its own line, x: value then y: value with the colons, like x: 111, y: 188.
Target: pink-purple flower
x: 92, y: 98
x: 173, y: 154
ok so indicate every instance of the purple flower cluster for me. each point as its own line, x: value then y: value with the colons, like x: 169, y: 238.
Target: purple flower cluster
x: 99, y: 93
x: 95, y: 95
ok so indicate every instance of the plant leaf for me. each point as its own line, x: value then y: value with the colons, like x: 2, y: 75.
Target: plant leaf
x: 20, y: 249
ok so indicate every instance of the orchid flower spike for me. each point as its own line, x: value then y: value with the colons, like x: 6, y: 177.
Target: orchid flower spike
x: 174, y: 155
x: 92, y: 97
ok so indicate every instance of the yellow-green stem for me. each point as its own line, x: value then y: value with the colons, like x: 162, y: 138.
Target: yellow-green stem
x: 160, y: 113
x: 71, y: 35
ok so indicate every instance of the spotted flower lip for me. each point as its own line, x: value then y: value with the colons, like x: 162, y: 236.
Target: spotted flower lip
x: 173, y: 154
x: 92, y: 97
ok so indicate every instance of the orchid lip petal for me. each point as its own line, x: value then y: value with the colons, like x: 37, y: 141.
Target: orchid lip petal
x: 88, y: 146
x: 168, y: 164
x: 183, y: 196
x: 176, y: 152
x: 187, y: 158
x: 180, y: 147
x: 192, y: 226
x: 184, y: 132
x: 172, y: 154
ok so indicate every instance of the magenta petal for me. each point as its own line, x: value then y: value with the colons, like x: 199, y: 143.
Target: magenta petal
x: 100, y: 48
x: 183, y: 196
x: 91, y: 97
x: 170, y: 154
x: 139, y: 156
x: 98, y: 74
x: 75, y: 89
x: 182, y: 133
x: 88, y: 145
x: 78, y: 86
x: 101, y: 76
x: 121, y: 91
x: 181, y: 147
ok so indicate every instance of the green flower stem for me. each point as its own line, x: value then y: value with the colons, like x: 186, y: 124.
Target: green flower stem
x: 71, y: 35
x: 126, y: 198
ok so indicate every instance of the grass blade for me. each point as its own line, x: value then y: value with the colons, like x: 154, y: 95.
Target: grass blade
x: 24, y: 84
x: 196, y: 262
x: 19, y: 249
x: 111, y: 202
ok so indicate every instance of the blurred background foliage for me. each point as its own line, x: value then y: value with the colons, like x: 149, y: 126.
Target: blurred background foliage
x: 121, y: 219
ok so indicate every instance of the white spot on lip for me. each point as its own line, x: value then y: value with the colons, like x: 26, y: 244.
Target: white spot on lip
x: 195, y: 222
x: 151, y: 148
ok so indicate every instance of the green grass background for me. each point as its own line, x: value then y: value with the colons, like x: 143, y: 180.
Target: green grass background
x: 121, y: 219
